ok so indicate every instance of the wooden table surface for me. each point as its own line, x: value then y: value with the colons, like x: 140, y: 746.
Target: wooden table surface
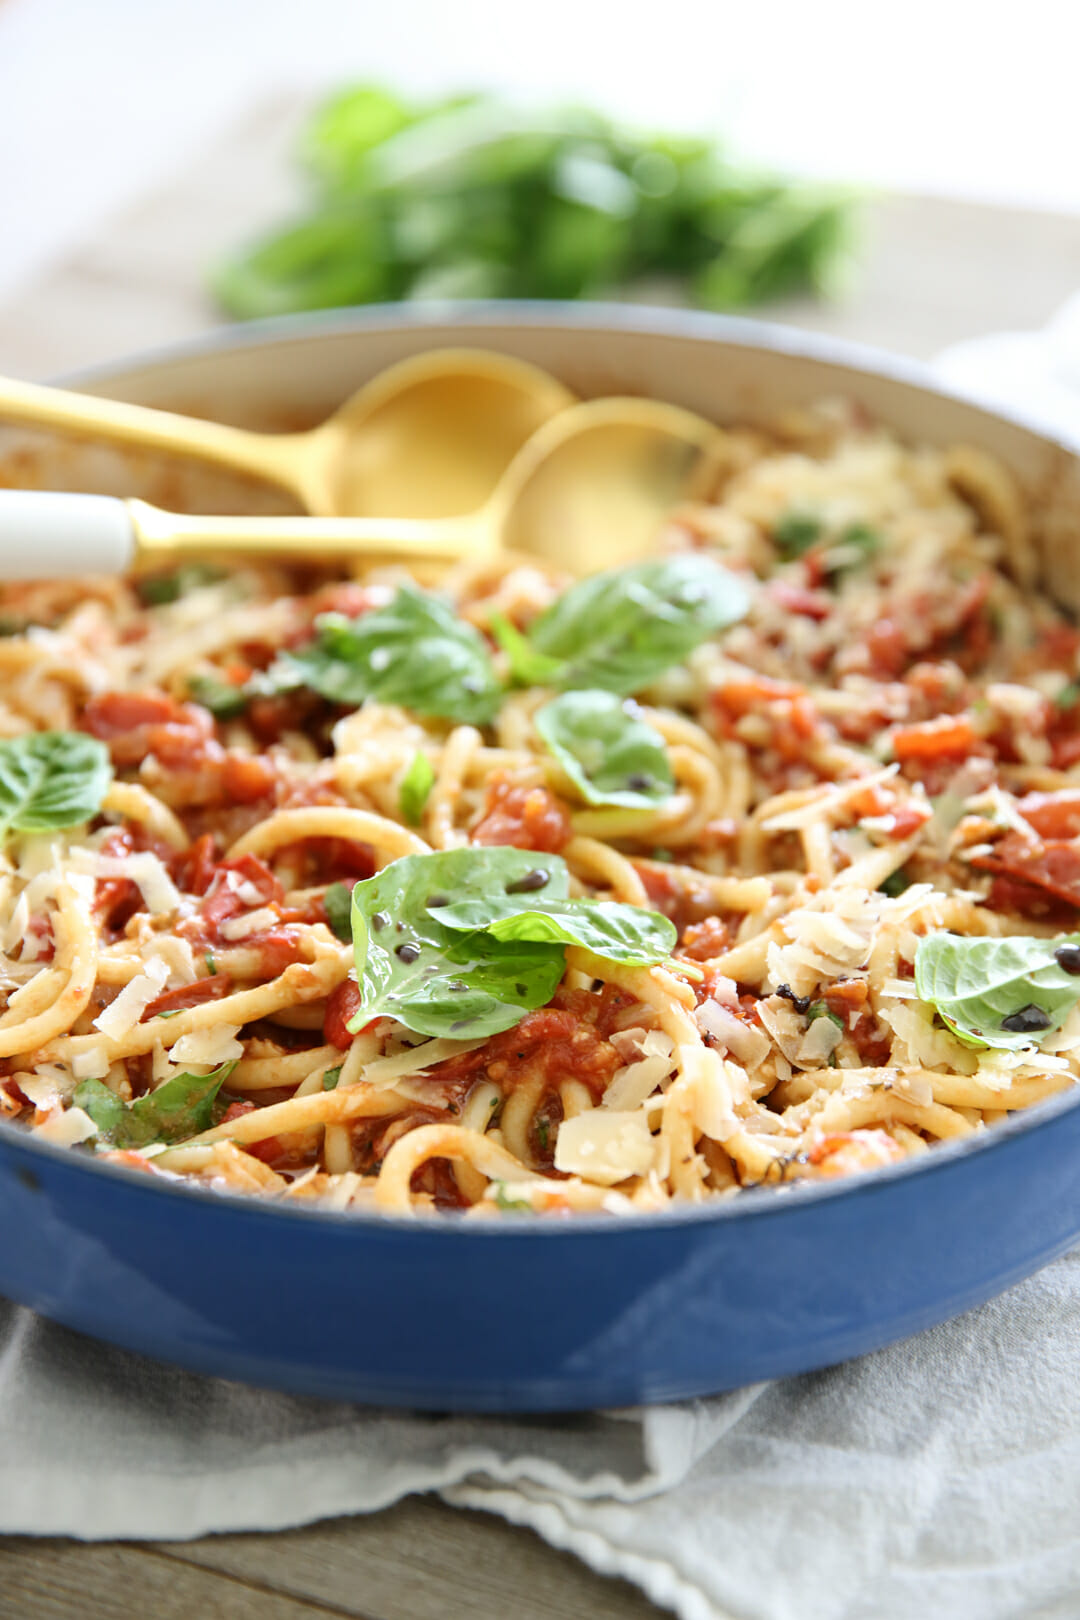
x: 933, y: 272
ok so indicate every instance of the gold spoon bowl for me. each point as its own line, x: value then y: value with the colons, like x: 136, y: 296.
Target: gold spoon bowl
x: 459, y: 415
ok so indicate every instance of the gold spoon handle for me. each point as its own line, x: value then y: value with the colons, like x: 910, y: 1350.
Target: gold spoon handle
x: 45, y: 535
x: 265, y: 455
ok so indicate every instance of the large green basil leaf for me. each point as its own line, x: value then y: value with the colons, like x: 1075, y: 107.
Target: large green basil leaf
x: 414, y: 651
x: 610, y: 755
x: 1005, y: 993
x: 177, y: 1110
x: 622, y: 629
x: 439, y: 981
x: 51, y: 779
x: 619, y: 933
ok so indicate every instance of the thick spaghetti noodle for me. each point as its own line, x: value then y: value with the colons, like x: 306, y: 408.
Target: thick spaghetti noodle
x: 884, y: 749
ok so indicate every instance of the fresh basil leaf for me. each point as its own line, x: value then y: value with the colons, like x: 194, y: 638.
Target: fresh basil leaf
x: 997, y: 992
x: 527, y: 666
x: 622, y: 629
x: 895, y: 884
x: 177, y: 1110
x: 331, y: 1077
x: 159, y: 590
x: 337, y: 903
x: 795, y: 532
x: 51, y: 779
x: 224, y: 700
x: 416, y: 784
x: 440, y: 981
x: 98, y: 1100
x: 617, y: 932
x: 414, y: 651
x: 610, y: 755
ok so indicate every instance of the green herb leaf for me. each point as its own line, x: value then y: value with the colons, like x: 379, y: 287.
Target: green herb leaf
x: 980, y: 986
x: 795, y: 532
x: 1069, y: 696
x: 159, y: 590
x: 414, y: 651
x: 331, y: 1077
x: 177, y: 1110
x: 617, y: 932
x: 610, y: 755
x: 437, y: 980
x: 620, y: 630
x: 527, y: 666
x: 506, y: 1201
x: 337, y: 903
x: 416, y: 784
x: 821, y: 1009
x: 895, y: 884
x: 224, y: 700
x: 51, y: 779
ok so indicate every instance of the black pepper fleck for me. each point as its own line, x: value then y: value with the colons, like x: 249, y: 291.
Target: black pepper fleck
x: 1027, y: 1020
x: 536, y: 879
x: 407, y: 951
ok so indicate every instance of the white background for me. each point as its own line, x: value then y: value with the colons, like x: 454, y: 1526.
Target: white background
x: 102, y: 99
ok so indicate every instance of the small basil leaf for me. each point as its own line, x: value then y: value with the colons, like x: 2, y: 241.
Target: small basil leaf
x: 51, y: 779
x: 224, y: 700
x: 331, y: 1077
x: 414, y: 651
x: 527, y: 666
x: 337, y: 903
x: 177, y: 1110
x: 795, y: 532
x: 617, y: 932
x: 416, y: 784
x: 622, y: 629
x: 610, y: 755
x: 980, y: 986
x: 438, y: 981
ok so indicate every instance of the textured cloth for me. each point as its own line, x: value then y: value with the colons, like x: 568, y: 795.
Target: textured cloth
x: 941, y: 1476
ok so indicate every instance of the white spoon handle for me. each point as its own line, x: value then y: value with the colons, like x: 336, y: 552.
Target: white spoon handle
x: 44, y: 535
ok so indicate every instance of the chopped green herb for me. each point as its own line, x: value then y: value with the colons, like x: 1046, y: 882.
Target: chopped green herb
x: 331, y: 1077
x: 503, y: 1200
x: 337, y: 902
x: 821, y: 1009
x: 659, y: 853
x: 416, y: 785
x: 171, y: 1013
x: 543, y: 1133
x: 795, y: 533
x: 159, y: 590
x: 211, y: 965
x: 895, y: 884
x: 1069, y: 696
x: 224, y: 700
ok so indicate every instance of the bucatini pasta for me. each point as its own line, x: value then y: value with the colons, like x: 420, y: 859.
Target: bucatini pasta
x: 762, y: 865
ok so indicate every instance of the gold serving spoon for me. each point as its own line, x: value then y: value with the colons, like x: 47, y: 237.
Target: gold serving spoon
x: 461, y: 415
x: 589, y: 490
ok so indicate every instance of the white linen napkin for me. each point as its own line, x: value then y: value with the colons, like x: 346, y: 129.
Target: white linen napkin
x: 939, y: 1476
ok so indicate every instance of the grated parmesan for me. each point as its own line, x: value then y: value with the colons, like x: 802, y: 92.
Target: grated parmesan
x: 605, y: 1145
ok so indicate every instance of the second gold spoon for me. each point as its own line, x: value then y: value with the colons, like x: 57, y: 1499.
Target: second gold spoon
x: 589, y: 490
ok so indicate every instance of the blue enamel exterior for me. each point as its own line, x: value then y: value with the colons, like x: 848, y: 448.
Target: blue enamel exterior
x: 532, y: 1314
x: 527, y: 1314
